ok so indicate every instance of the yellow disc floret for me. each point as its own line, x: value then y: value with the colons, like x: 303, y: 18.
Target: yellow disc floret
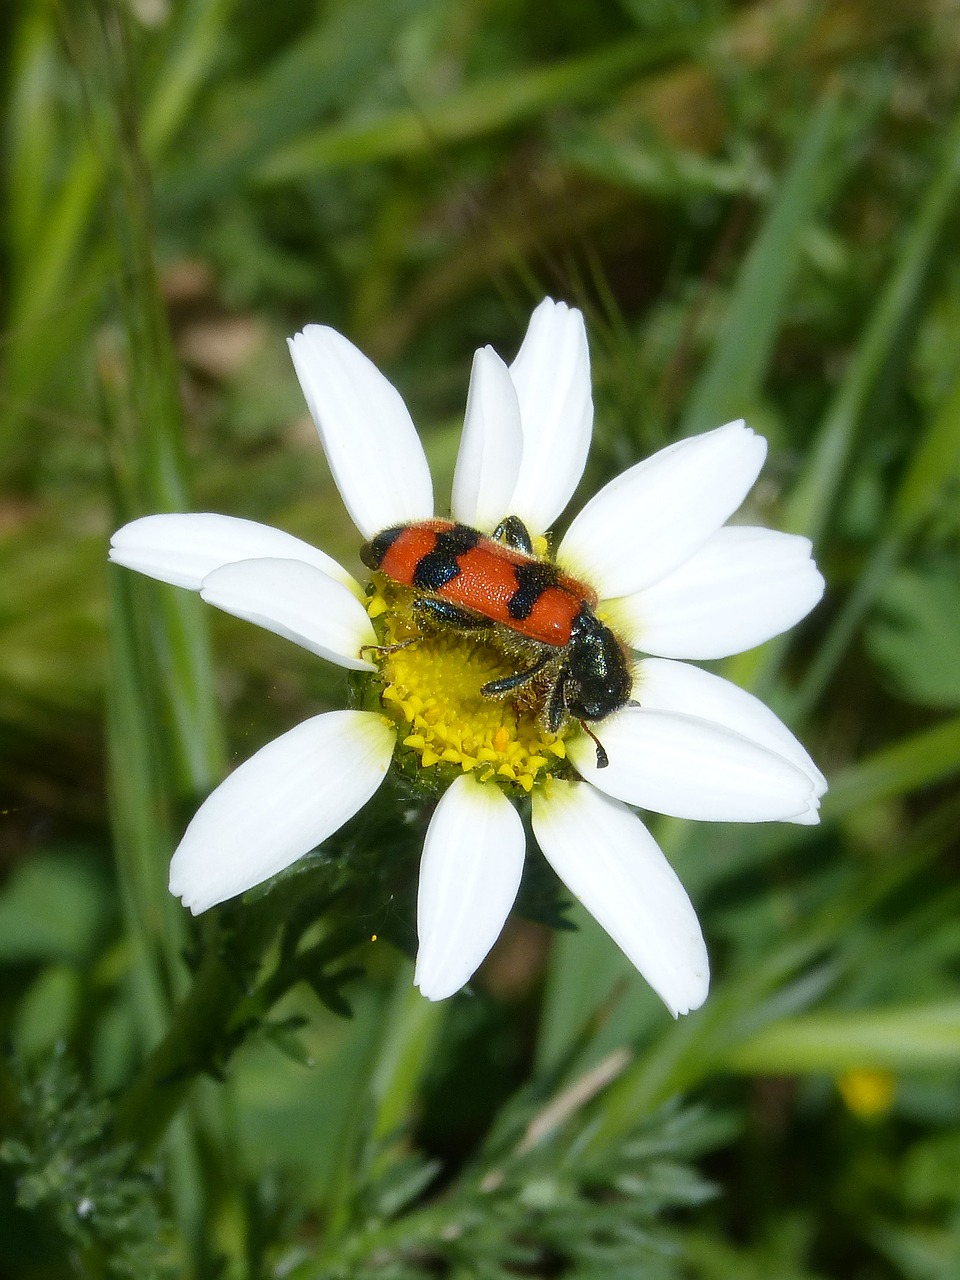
x: 430, y: 682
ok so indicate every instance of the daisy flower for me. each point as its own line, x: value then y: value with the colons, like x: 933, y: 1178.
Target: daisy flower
x: 672, y: 581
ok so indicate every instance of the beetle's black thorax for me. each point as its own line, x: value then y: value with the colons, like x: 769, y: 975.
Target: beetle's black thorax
x: 599, y: 678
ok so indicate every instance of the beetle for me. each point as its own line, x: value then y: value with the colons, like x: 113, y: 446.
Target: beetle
x: 470, y: 582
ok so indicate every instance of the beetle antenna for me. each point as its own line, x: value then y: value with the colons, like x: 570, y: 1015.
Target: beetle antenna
x: 602, y: 758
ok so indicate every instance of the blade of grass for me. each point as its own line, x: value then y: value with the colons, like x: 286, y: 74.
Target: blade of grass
x: 165, y: 735
x: 141, y: 836
x: 690, y: 1049
x: 52, y: 278
x: 731, y: 379
x: 475, y: 111
x: 327, y: 69
x: 142, y: 839
x: 903, y: 1038
x: 886, y: 340
x: 31, y: 128
x: 406, y: 1051
x: 387, y: 1097
x: 923, y: 760
x: 796, y: 707
x: 151, y: 472
x: 196, y: 50
x: 920, y: 761
x: 933, y: 468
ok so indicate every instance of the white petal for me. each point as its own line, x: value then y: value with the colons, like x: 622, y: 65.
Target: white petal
x: 607, y: 858
x: 298, y: 602
x: 552, y: 376
x: 183, y: 549
x: 469, y: 877
x: 490, y: 447
x: 648, y: 520
x: 662, y: 685
x: 284, y: 801
x: 367, y: 434
x: 690, y: 768
x: 743, y: 586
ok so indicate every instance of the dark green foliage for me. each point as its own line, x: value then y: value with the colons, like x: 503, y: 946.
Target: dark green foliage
x: 536, y: 1203
x: 71, y: 1173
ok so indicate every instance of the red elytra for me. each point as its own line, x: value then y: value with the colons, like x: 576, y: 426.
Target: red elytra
x: 487, y: 578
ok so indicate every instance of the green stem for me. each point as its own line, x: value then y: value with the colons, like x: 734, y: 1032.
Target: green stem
x: 220, y: 1006
x: 195, y: 1035
x: 378, y: 1135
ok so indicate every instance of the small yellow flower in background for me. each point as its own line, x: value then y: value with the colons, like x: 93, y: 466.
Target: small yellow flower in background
x: 667, y: 578
x: 868, y: 1092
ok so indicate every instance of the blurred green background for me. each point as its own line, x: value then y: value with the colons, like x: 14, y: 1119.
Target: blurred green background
x: 756, y: 206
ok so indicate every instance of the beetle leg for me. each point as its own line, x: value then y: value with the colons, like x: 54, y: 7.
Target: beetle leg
x: 512, y: 532
x: 439, y: 611
x: 386, y: 648
x: 496, y: 688
x: 556, y: 707
x: 450, y: 615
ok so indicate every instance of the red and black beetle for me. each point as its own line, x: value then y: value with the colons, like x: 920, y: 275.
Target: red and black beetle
x: 468, y: 581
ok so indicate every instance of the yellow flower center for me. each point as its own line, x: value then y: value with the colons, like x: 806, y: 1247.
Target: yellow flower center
x: 430, y: 682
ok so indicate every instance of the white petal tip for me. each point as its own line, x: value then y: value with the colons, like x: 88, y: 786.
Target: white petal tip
x: 369, y: 438
x: 317, y: 335
x: 693, y: 999
x: 756, y: 445
x: 435, y: 993
x: 470, y: 873
x: 189, y: 882
x: 439, y: 985
x: 194, y: 902
x: 551, y: 374
x: 810, y: 817
x: 739, y: 425
x: 628, y: 887
x: 285, y: 800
